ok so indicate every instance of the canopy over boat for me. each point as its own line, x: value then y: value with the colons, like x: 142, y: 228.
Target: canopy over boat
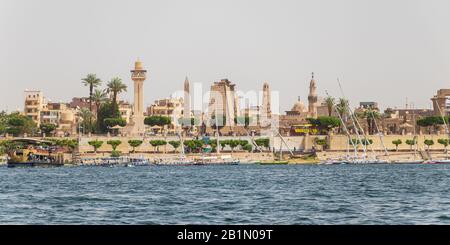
x: 31, y: 141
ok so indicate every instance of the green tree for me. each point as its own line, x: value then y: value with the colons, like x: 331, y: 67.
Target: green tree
x: 370, y: 114
x: 114, y: 143
x: 354, y: 142
x: 247, y: 147
x: 194, y: 145
x: 263, y: 142
x: 18, y: 124
x: 233, y: 144
x: 174, y: 144
x: 367, y: 142
x: 157, y: 143
x: 322, y: 142
x: 411, y: 143
x: 135, y: 143
x: 115, y: 86
x: 106, y: 111
x: 428, y: 143
x: 329, y: 101
x: 397, y: 142
x: 92, y: 82
x: 85, y: 116
x: 445, y: 143
x: 325, y: 124
x: 342, y: 108
x: 96, y: 144
x: 47, y: 128
x: 431, y: 122
x: 99, y: 97
x: 72, y: 144
x: 111, y: 122
x: 115, y: 153
x: 157, y: 121
x: 243, y: 143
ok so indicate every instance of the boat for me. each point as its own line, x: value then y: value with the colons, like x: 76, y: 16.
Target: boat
x: 331, y: 162
x: 29, y: 152
x: 114, y: 161
x: 216, y: 160
x: 279, y: 162
x: 444, y: 161
x: 429, y: 162
x: 250, y: 162
x: 176, y: 161
x: 408, y: 162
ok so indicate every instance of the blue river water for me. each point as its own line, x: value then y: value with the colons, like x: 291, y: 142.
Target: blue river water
x: 243, y: 194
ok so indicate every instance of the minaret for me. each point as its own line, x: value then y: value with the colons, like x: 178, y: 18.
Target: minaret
x: 266, y: 108
x: 266, y: 111
x: 138, y: 75
x: 312, y: 98
x: 187, y: 100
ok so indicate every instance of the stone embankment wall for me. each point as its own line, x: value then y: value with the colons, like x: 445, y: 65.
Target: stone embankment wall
x: 299, y: 143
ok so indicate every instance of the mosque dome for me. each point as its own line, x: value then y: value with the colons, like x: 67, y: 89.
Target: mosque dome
x: 298, y: 107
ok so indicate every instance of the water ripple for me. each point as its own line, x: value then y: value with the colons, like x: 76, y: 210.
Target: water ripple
x: 382, y: 194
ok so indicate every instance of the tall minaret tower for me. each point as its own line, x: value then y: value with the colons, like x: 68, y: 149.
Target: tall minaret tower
x: 266, y: 108
x: 138, y: 75
x: 312, y: 98
x: 187, y: 100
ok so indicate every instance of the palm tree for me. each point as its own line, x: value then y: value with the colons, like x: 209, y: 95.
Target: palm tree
x: 342, y: 109
x: 329, y: 101
x: 115, y: 86
x: 371, y: 115
x: 99, y: 97
x: 85, y: 115
x: 92, y: 81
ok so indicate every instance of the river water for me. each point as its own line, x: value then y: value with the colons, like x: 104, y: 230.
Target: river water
x: 243, y: 194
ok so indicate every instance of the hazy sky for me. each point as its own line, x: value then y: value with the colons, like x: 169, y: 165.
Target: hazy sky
x: 384, y: 50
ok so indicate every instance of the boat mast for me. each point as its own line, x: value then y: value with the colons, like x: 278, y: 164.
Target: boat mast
x: 443, y: 119
x: 380, y: 134
x: 415, y: 134
x: 353, y: 121
x: 345, y: 128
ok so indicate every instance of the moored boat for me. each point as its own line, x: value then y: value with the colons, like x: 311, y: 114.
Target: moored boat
x: 114, y: 161
x: 444, y: 161
x: 34, y: 153
x: 275, y: 162
x: 216, y: 160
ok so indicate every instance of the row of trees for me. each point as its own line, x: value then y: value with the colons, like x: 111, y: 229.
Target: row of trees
x: 397, y: 142
x: 107, y: 113
x: 427, y: 142
x: 191, y: 145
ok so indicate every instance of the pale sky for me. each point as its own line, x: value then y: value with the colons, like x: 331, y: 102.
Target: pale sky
x: 384, y: 50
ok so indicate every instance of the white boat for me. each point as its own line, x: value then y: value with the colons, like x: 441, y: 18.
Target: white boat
x: 444, y: 161
x: 216, y: 160
x: 174, y: 161
x: 114, y: 161
x: 407, y: 162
